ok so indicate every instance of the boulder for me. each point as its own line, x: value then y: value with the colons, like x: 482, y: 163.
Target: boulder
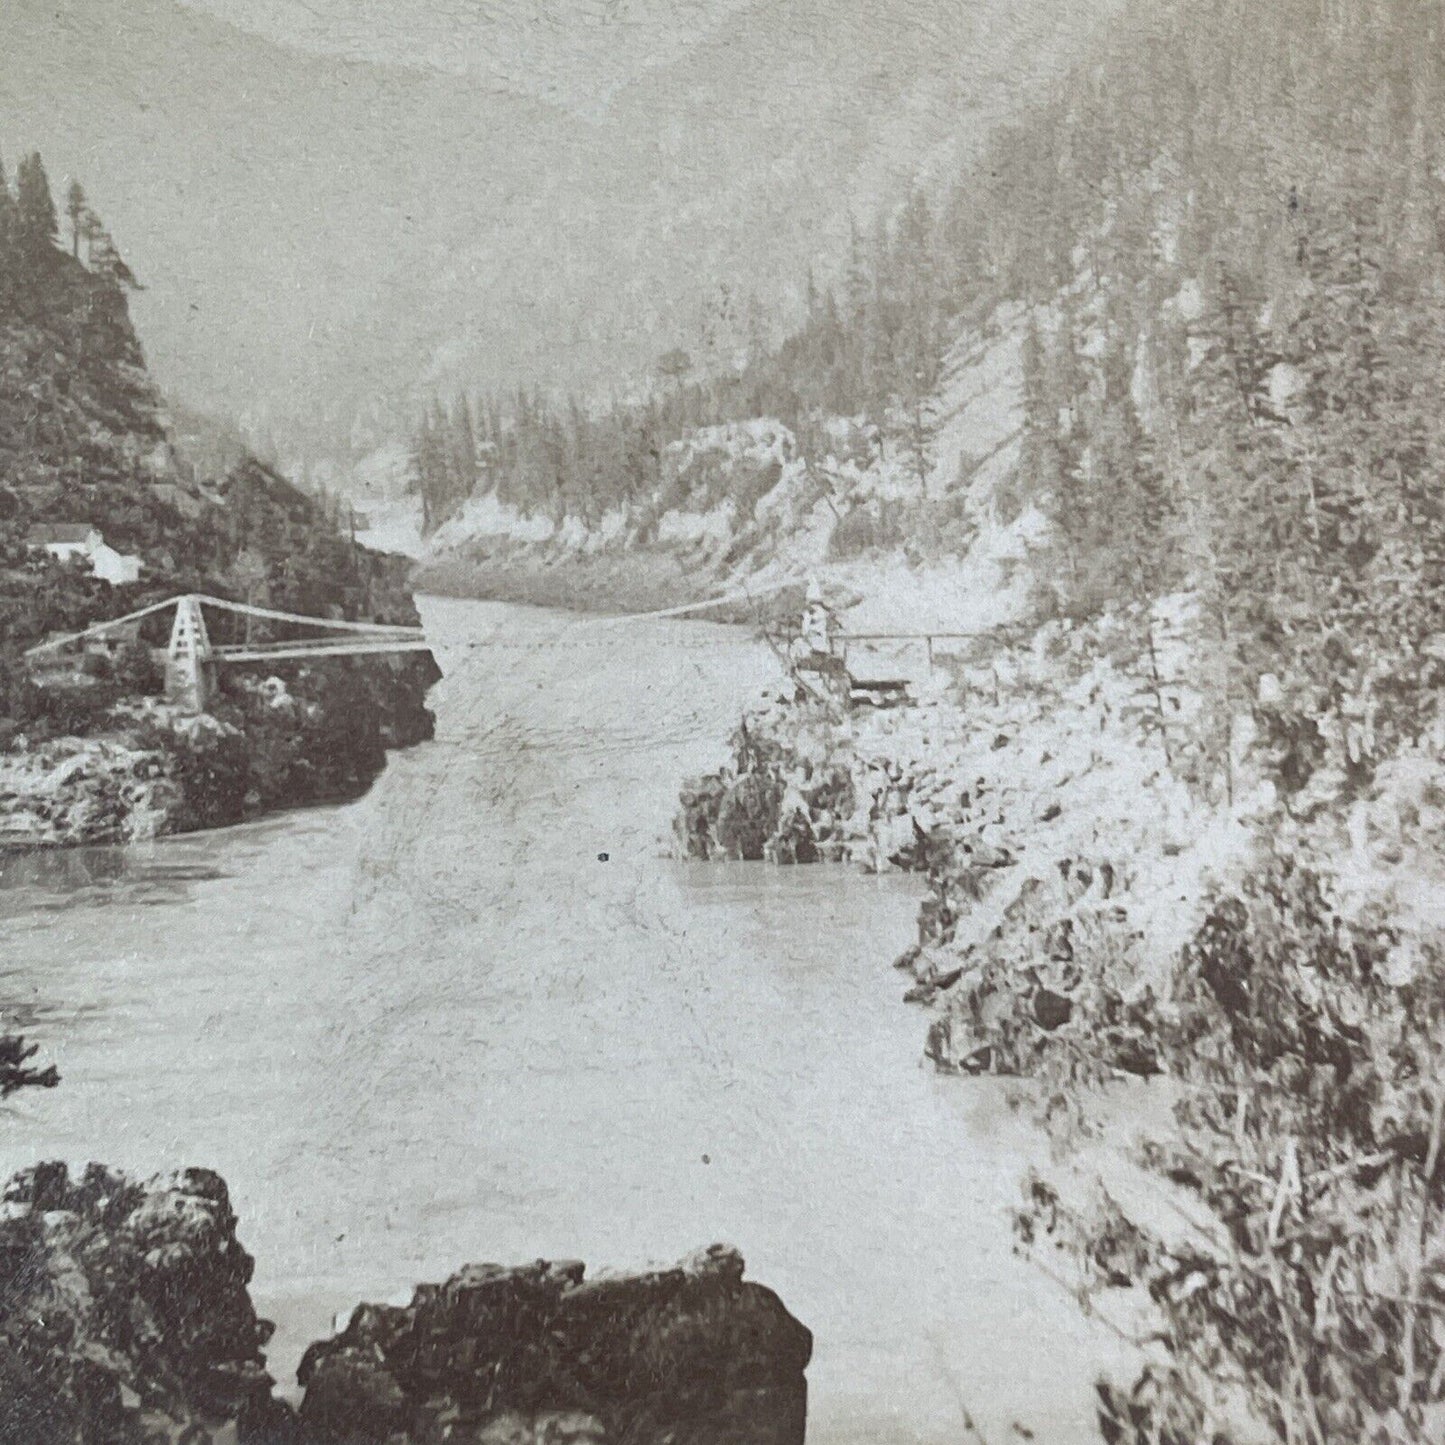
x: 124, y: 1312
x: 692, y: 1355
x: 125, y: 1320
x: 1051, y: 1010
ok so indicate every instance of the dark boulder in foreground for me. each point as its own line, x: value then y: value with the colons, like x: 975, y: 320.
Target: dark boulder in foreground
x: 125, y: 1320
x: 124, y: 1312
x: 521, y: 1356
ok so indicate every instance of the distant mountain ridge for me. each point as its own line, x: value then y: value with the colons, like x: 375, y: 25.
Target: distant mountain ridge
x: 433, y: 231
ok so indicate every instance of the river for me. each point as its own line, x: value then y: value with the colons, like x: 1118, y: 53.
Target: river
x: 480, y: 1015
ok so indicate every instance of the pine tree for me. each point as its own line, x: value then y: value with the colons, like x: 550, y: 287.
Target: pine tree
x: 463, y: 447
x: 1245, y: 501
x: 9, y: 217
x: 78, y: 212
x: 39, y: 225
x: 1038, y: 473
x: 104, y: 259
x: 1077, y: 524
x: 428, y: 473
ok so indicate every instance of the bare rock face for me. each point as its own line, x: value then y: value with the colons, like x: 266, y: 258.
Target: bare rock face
x: 541, y: 1355
x: 124, y: 1314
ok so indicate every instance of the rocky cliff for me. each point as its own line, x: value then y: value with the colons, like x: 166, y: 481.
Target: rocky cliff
x: 87, y: 752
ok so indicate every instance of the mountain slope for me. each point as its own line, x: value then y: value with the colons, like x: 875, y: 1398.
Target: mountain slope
x: 436, y: 230
x: 1186, y: 819
x: 89, y: 751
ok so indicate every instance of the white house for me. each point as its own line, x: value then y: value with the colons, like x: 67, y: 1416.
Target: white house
x: 114, y: 567
x: 67, y: 540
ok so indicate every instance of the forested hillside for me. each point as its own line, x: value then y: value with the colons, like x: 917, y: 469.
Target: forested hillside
x: 77, y: 410
x: 1191, y: 825
x: 84, y: 436
x: 1228, y: 234
x: 873, y: 351
x: 85, y: 442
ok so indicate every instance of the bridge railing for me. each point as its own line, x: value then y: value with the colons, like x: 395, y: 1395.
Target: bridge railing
x: 330, y: 624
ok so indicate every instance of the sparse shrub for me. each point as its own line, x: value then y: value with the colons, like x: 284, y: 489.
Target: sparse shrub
x: 15, y: 1070
x: 1309, y: 1302
x: 136, y: 671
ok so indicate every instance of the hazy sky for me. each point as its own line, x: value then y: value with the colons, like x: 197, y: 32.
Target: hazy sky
x: 573, y: 52
x: 342, y: 207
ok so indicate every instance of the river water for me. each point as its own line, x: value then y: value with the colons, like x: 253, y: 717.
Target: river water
x: 480, y: 1015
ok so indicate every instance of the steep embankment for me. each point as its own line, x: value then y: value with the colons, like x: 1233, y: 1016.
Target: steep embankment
x: 1186, y: 822
x: 1266, y: 950
x: 88, y: 752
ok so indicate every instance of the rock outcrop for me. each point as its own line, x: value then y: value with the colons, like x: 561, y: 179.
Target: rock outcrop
x: 125, y: 1320
x: 805, y: 785
x: 267, y: 745
x: 520, y: 1356
x: 80, y: 791
x: 124, y: 1313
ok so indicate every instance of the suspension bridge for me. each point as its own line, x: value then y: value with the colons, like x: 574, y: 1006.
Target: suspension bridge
x: 191, y: 659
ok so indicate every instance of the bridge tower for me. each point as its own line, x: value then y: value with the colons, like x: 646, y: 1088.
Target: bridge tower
x: 190, y: 668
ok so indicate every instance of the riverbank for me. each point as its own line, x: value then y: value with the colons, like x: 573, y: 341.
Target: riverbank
x: 1096, y: 912
x: 90, y: 753
x: 411, y: 1031
x: 300, y: 736
x: 638, y: 579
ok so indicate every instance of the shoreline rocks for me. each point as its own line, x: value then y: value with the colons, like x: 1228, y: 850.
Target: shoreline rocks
x: 74, y: 791
x: 320, y: 736
x: 1064, y: 859
x: 804, y: 786
x: 124, y: 1312
x: 692, y: 1355
x: 125, y: 1319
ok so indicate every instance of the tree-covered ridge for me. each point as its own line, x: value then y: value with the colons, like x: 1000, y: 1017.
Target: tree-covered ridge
x: 1235, y: 243
x: 1227, y: 230
x: 871, y: 350
x: 78, y: 414
x: 1231, y: 237
x: 84, y: 438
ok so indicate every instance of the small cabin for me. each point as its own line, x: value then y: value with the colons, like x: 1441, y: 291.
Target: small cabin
x: 114, y: 567
x: 66, y: 541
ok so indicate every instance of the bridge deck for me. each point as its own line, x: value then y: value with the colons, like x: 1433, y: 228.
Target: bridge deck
x: 342, y: 647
